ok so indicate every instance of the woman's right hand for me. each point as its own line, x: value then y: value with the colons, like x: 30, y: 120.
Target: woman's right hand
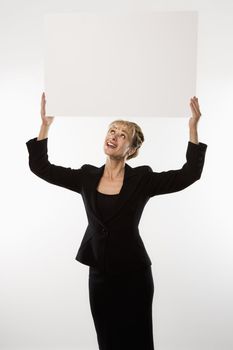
x: 46, y: 120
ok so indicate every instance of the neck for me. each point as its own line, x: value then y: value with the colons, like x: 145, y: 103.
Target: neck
x: 114, y: 168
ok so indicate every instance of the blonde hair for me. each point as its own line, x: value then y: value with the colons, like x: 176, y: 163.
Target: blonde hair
x: 136, y: 132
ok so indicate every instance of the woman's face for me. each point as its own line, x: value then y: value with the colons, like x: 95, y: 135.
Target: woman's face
x: 117, y: 141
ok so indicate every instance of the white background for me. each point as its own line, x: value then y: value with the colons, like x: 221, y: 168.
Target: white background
x: 188, y: 235
x: 123, y: 64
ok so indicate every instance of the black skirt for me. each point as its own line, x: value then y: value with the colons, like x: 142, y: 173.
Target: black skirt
x: 121, y: 307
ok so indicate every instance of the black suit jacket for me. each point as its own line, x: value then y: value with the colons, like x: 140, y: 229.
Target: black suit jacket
x: 115, y: 244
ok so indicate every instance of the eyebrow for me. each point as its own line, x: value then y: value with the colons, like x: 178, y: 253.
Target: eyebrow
x: 114, y: 127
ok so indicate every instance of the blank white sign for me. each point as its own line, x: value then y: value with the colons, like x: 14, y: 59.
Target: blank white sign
x: 120, y: 64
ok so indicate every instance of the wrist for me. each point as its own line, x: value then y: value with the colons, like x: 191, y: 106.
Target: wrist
x: 193, y: 127
x: 193, y: 135
x: 44, y: 130
x: 45, y: 126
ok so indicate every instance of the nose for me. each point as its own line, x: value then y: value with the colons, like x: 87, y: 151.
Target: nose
x: 117, y: 133
x: 114, y: 137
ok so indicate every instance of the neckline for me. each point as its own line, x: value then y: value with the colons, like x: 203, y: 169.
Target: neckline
x: 127, y: 167
x: 106, y: 194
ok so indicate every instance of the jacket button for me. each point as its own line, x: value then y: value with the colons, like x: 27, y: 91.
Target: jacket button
x: 105, y: 231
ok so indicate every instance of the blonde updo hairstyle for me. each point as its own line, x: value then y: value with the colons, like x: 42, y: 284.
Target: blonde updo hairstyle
x: 136, y: 132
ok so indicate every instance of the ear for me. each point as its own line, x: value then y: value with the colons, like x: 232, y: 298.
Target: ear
x: 132, y: 150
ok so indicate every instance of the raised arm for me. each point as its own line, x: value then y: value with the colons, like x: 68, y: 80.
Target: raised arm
x: 193, y: 121
x: 40, y: 165
x: 46, y: 120
x: 176, y: 180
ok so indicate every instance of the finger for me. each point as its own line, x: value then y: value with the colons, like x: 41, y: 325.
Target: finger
x: 42, y: 107
x: 197, y: 106
x: 194, y: 107
x: 42, y: 104
x: 43, y: 101
x: 195, y: 99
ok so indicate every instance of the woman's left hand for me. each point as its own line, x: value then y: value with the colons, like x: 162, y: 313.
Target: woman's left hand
x: 196, y: 114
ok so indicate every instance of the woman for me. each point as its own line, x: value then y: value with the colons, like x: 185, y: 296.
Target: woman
x: 121, y: 284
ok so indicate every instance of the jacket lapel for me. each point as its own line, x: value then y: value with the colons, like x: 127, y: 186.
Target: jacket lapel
x: 127, y: 189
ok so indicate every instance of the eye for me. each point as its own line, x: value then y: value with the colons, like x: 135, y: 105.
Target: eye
x: 123, y: 135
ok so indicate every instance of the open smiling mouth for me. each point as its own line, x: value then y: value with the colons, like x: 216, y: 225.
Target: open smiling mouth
x: 111, y: 145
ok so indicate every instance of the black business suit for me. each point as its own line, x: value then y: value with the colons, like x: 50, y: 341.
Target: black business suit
x: 114, y: 245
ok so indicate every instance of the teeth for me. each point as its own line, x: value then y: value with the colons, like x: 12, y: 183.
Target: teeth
x: 110, y: 144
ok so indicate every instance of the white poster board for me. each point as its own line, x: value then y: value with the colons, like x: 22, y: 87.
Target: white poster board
x: 120, y: 64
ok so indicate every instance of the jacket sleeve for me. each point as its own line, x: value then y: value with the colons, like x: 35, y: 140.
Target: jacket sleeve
x: 39, y: 164
x: 176, y: 180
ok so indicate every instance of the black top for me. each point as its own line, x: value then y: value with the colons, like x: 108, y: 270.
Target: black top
x: 106, y: 204
x: 116, y: 245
